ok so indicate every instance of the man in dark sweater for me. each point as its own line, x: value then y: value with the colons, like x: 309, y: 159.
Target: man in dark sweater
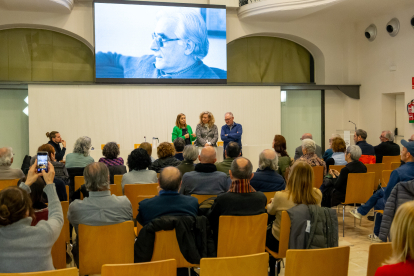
x: 241, y: 200
x: 359, y: 138
x: 387, y: 146
x: 266, y: 178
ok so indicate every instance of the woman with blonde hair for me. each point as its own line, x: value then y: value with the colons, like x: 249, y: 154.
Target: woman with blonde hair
x: 402, y: 235
x: 183, y: 130
x: 206, y: 131
x: 299, y: 190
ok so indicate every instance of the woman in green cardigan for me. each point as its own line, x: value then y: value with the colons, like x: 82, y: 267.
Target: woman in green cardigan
x: 183, y: 130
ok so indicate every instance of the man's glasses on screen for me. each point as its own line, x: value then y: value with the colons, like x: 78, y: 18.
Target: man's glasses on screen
x: 160, y: 41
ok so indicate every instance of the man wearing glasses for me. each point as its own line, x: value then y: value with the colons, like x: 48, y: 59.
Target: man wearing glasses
x: 298, y: 150
x: 179, y: 44
x: 387, y: 147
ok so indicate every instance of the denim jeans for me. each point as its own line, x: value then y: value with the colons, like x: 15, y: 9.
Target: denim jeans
x: 376, y: 201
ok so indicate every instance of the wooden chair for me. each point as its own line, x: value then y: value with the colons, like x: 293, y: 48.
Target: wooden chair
x: 359, y: 189
x: 255, y: 264
x: 284, y: 238
x: 8, y: 182
x: 79, y: 181
x: 201, y: 198
x: 158, y: 175
x: 395, y: 165
x: 269, y: 195
x: 67, y: 191
x: 132, y: 191
x: 166, y: 247
x: 241, y: 235
x: 318, y: 176
x: 377, y: 169
x: 135, y: 205
x: 336, y: 167
x: 103, y: 145
x: 59, y: 248
x: 114, y: 190
x: 377, y: 255
x: 73, y: 271
x: 220, y: 144
x: 386, y: 174
x: 315, y: 262
x: 118, y: 182
x: 110, y: 244
x: 165, y: 268
x: 387, y: 160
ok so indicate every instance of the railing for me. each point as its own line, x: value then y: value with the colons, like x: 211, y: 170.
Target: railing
x: 245, y: 2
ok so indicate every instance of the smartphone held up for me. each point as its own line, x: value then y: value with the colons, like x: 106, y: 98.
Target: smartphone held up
x: 42, y: 161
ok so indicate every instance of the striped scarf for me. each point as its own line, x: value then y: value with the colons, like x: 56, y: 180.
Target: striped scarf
x: 112, y: 162
x: 241, y: 186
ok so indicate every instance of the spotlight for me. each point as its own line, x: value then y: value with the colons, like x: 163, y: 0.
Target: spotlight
x: 371, y: 32
x: 393, y: 27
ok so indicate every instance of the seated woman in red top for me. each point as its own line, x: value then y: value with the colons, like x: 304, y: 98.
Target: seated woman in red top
x: 402, y: 234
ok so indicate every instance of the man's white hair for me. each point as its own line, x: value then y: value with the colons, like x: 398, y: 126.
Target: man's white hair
x: 6, y: 157
x: 231, y: 114
x: 189, y: 24
x: 309, y: 145
x: 389, y: 135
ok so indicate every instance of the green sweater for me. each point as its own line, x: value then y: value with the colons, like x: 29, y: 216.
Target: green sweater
x: 225, y: 165
x: 284, y: 163
x: 178, y: 132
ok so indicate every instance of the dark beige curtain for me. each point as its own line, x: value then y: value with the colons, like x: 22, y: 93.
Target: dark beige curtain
x: 263, y: 59
x: 42, y: 55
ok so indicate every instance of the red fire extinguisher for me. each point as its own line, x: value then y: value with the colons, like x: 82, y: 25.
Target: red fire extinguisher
x: 410, y: 110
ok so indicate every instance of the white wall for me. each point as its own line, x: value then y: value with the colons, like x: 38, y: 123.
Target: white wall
x: 125, y: 114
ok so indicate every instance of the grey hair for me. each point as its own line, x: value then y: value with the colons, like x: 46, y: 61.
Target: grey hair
x: 241, y: 173
x: 268, y: 163
x: 229, y: 114
x: 189, y: 25
x: 309, y: 145
x: 96, y: 177
x: 190, y: 153
x: 6, y: 158
x: 362, y: 133
x: 355, y: 152
x: 389, y: 135
x: 82, y: 145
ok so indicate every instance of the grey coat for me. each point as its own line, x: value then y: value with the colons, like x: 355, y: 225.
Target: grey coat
x: 402, y: 192
x: 323, y: 231
x: 298, y: 152
x: 204, y: 135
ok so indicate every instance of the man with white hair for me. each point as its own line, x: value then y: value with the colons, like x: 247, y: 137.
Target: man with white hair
x: 179, y: 44
x: 6, y: 160
x: 266, y: 178
x: 309, y: 156
x: 387, y: 146
x: 231, y: 132
x: 298, y: 150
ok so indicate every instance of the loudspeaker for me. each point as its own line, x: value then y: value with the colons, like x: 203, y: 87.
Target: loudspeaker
x: 371, y: 32
x: 393, y: 27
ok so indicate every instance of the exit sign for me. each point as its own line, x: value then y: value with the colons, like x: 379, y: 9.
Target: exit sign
x: 413, y: 82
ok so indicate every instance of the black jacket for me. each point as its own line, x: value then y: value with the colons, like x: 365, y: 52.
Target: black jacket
x: 59, y: 152
x: 388, y: 148
x: 192, y: 234
x: 366, y: 148
x: 116, y: 170
x: 160, y: 164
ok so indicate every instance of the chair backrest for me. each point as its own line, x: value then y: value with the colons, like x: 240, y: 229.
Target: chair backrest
x: 109, y: 244
x: 132, y: 191
x: 166, y: 247
x: 377, y: 169
x: 284, y: 237
x: 387, y: 160
x: 336, y: 167
x: 234, y: 229
x: 158, y: 175
x: 114, y: 190
x: 59, y: 248
x: 359, y: 188
x: 269, y: 195
x: 165, y: 268
x: 314, y: 262
x: 8, y: 182
x: 77, y: 171
x: 79, y: 181
x: 386, y: 174
x: 135, y: 205
x: 73, y: 271
x: 118, y: 182
x: 256, y: 264
x: 201, y: 198
x: 317, y: 176
x: 67, y: 191
x: 377, y: 255
x: 395, y: 165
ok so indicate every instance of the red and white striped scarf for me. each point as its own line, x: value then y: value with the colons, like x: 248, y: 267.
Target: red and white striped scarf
x: 241, y: 186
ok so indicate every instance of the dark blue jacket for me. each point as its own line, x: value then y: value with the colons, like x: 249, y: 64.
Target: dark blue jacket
x: 403, y: 173
x: 366, y: 148
x: 267, y: 180
x: 233, y: 135
x: 169, y: 203
x: 59, y: 153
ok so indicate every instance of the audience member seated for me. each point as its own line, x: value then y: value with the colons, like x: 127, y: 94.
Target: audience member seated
x: 100, y: 208
x: 39, y: 206
x: 6, y: 160
x: 168, y: 202
x: 309, y: 156
x: 148, y: 147
x: 387, y: 147
x: 111, y: 152
x: 266, y: 178
x: 54, y: 140
x: 279, y: 145
x: 328, y: 153
x: 368, y: 152
x: 138, y: 162
x: 334, y: 192
x: 179, y: 145
x: 402, y: 233
x: 190, y: 155
x: 241, y: 200
x: 205, y: 179
x: 231, y: 152
x: 299, y: 190
x: 26, y: 248
x: 380, y: 197
x: 338, y: 155
x: 298, y: 150
x: 80, y: 158
x: 165, y: 152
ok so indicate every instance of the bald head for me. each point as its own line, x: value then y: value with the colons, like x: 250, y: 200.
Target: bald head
x: 307, y: 136
x: 208, y: 155
x: 241, y: 168
x: 268, y: 159
x: 6, y: 156
x: 170, y: 179
x: 412, y: 137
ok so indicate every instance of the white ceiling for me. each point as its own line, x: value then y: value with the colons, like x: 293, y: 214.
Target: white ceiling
x: 56, y: 6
